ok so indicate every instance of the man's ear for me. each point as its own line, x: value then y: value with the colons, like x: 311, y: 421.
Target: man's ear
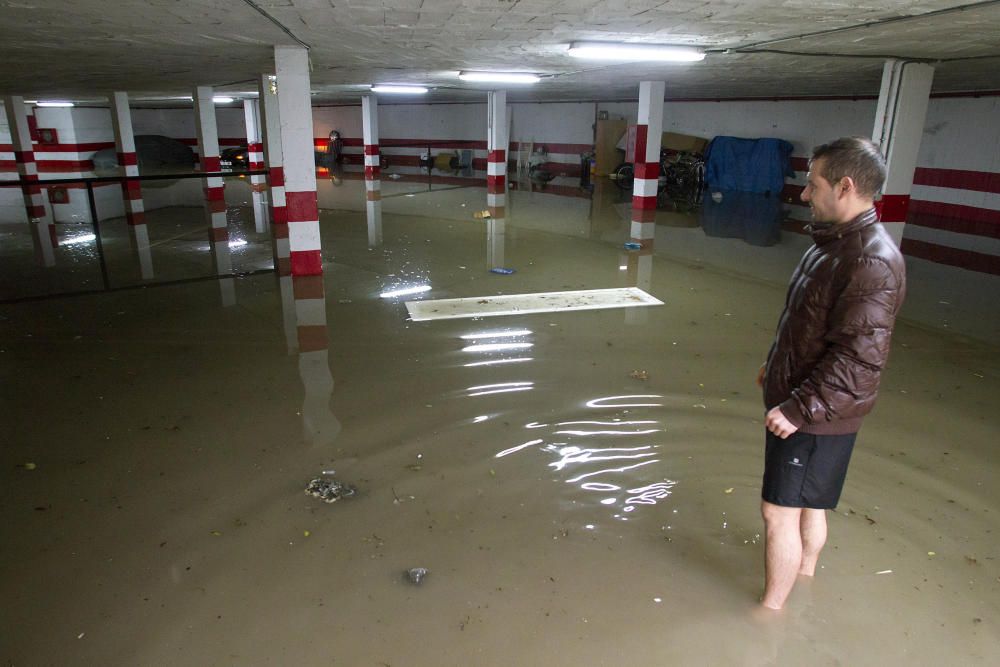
x: 847, y: 185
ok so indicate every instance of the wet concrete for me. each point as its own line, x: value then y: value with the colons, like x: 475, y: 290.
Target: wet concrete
x: 568, y: 511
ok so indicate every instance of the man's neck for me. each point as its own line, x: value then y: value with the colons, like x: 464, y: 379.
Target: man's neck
x: 856, y: 209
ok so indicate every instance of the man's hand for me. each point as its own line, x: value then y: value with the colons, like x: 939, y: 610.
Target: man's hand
x: 778, y: 424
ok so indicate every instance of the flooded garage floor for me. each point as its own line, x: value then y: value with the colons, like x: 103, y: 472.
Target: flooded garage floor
x: 583, y: 487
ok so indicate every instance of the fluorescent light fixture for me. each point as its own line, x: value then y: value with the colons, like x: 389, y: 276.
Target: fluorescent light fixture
x: 634, y: 52
x: 222, y: 99
x: 237, y: 243
x: 399, y: 89
x: 499, y: 77
x: 54, y: 104
x: 408, y: 290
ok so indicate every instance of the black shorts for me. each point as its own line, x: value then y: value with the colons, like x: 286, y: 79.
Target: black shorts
x: 806, y: 470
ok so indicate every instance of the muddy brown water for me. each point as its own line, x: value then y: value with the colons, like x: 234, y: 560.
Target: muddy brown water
x: 568, y: 513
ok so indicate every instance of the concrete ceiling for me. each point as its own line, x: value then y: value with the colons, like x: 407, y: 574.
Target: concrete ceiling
x: 159, y: 49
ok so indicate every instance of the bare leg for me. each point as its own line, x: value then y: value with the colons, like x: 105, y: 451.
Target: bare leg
x: 813, y: 531
x: 783, y: 552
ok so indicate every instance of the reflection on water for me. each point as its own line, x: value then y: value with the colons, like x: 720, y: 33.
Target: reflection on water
x: 609, y: 469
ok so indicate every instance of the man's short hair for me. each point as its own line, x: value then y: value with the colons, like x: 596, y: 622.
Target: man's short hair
x: 855, y: 157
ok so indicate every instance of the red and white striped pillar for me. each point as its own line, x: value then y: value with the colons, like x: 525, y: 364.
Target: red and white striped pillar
x: 899, y: 127
x: 294, y: 108
x: 373, y: 170
x: 270, y: 123
x: 496, y: 177
x: 42, y: 229
x: 135, y: 216
x: 255, y: 162
x: 648, y: 133
x: 208, y: 155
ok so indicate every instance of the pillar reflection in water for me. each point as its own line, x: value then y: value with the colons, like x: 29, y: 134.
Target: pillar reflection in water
x: 496, y: 230
x: 638, y: 261
x: 303, y: 303
x: 42, y: 240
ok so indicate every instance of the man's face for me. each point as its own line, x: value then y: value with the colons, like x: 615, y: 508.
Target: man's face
x: 824, y: 199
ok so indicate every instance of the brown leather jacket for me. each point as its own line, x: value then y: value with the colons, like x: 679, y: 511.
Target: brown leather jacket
x: 832, y: 341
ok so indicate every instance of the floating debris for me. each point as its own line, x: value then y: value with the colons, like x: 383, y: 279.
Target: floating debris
x: 482, y: 215
x: 416, y: 575
x: 502, y: 271
x: 632, y: 245
x: 329, y: 490
x: 884, y: 572
x: 639, y: 375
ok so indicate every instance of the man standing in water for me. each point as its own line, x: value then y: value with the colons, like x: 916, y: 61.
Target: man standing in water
x: 822, y: 373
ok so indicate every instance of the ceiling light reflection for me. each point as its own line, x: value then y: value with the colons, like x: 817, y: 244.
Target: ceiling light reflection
x: 82, y: 238
x: 622, y: 469
x: 406, y: 290
x: 578, y: 455
x: 494, y: 362
x: 599, y: 402
x: 585, y: 433
x: 500, y: 391
x: 496, y: 334
x: 494, y: 347
x: 518, y: 448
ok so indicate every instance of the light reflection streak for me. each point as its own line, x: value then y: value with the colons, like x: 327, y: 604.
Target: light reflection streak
x: 480, y: 418
x: 494, y: 362
x: 599, y: 486
x: 496, y: 334
x: 599, y: 402
x: 648, y: 495
x: 82, y: 238
x: 499, y: 388
x: 613, y: 422
x: 494, y: 347
x: 500, y: 391
x: 406, y: 290
x: 518, y: 448
x: 587, y: 455
x: 601, y: 472
x: 642, y: 432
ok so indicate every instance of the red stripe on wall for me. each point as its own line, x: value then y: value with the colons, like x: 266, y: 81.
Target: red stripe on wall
x: 966, y: 259
x: 74, y: 148
x: 960, y: 179
x: 892, y: 208
x: 64, y: 165
x: 301, y: 206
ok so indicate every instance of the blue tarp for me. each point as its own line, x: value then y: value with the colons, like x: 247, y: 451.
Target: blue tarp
x: 748, y: 165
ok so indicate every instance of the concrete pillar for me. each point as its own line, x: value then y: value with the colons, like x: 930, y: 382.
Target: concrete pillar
x: 270, y: 123
x: 67, y: 202
x: 647, y: 161
x: 496, y: 178
x: 42, y: 229
x: 135, y: 216
x: 373, y: 170
x: 208, y: 155
x: 295, y: 110
x: 899, y: 127
x: 255, y: 162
